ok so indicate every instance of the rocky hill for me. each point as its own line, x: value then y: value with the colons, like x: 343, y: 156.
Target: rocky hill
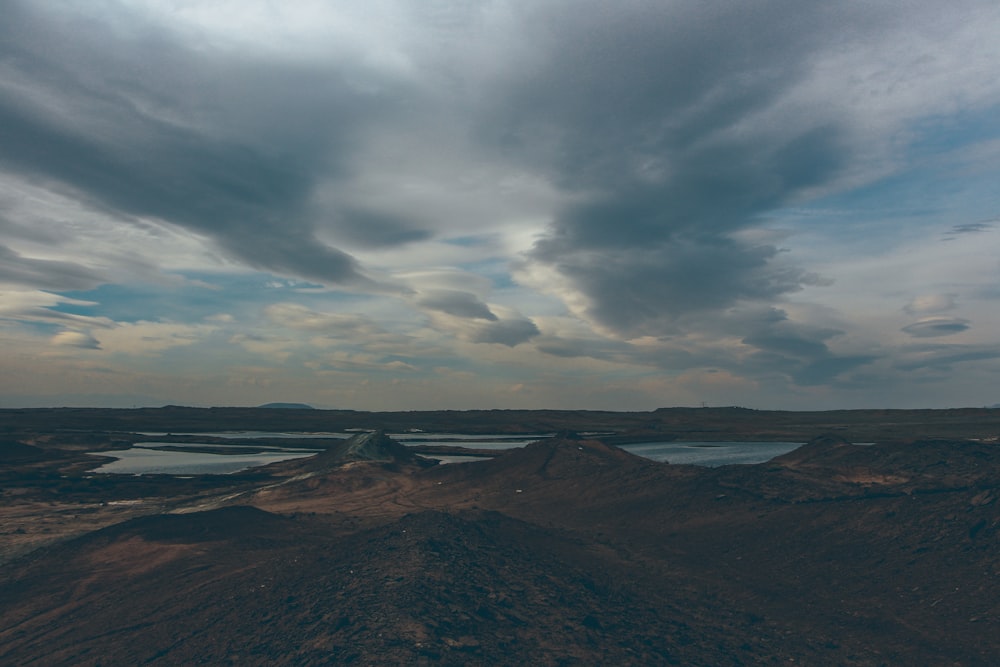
x: 371, y: 447
x: 567, y: 551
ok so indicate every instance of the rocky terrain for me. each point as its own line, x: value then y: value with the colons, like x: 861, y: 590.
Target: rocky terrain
x: 706, y: 424
x: 568, y: 551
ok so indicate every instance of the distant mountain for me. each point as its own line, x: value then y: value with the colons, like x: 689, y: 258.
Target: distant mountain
x: 287, y: 406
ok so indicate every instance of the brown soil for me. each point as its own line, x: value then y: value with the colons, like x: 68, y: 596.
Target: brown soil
x: 565, y: 552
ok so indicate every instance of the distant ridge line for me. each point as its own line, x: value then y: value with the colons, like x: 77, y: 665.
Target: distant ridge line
x: 287, y: 406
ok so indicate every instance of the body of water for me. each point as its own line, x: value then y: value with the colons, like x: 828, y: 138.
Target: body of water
x: 471, y: 441
x: 487, y: 441
x: 711, y: 454
x: 254, y: 435
x: 143, y: 458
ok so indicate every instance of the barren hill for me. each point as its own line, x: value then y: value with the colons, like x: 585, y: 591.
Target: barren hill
x: 564, y: 552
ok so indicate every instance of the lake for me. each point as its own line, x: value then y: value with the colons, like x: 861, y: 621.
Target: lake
x: 144, y: 459
x: 711, y: 454
x: 141, y: 459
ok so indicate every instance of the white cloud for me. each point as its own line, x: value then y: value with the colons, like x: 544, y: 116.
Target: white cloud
x: 151, y: 338
x: 75, y: 339
x: 733, y: 199
x: 931, y: 303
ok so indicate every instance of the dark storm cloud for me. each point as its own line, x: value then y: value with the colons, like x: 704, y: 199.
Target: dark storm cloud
x: 370, y: 229
x: 938, y: 326
x: 137, y: 123
x: 803, y: 372
x: 641, y: 289
x: 944, y: 357
x: 798, y: 351
x: 45, y: 273
x: 775, y: 347
x: 642, y: 112
x: 829, y: 370
x: 778, y: 347
x: 457, y: 303
x: 791, y: 340
x: 510, y: 332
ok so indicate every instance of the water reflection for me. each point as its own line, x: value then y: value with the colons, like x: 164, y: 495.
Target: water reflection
x: 145, y: 458
x: 711, y: 454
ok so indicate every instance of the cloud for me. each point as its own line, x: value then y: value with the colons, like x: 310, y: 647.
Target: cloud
x: 674, y: 145
x: 153, y: 338
x: 313, y: 339
x: 454, y: 302
x: 968, y: 228
x: 742, y: 194
x: 430, y: 280
x: 76, y: 339
x: 353, y: 362
x: 11, y: 229
x: 644, y: 289
x: 936, y: 326
x: 15, y: 269
x: 571, y: 348
x: 39, y: 307
x: 798, y: 351
x: 931, y: 303
x: 373, y: 229
x: 666, y: 167
x: 943, y: 357
x: 237, y: 165
x: 511, y: 332
x: 296, y: 316
x: 462, y: 315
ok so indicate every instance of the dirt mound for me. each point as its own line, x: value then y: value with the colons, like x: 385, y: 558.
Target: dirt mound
x: 482, y: 588
x: 823, y: 449
x: 830, y: 467
x: 226, y: 523
x: 913, y: 456
x: 579, y: 482
x: 364, y: 447
x: 429, y: 588
x: 558, y: 458
x: 12, y: 451
x: 576, y: 553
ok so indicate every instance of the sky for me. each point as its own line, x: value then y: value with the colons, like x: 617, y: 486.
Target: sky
x: 462, y: 204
